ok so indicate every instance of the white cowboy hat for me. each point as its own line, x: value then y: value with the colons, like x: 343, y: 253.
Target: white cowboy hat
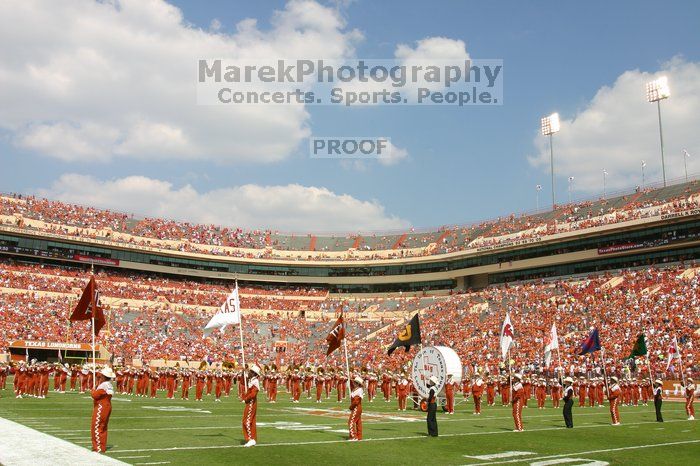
x: 255, y: 368
x: 433, y: 380
x: 107, y: 372
x: 358, y: 379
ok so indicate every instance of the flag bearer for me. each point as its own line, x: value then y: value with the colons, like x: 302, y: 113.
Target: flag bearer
x: 658, y: 399
x: 568, y: 402
x: 518, y: 401
x: 250, y: 398
x: 102, y: 408
x: 450, y: 395
x: 355, y: 420
x: 614, y: 398
x: 477, y: 392
x: 432, y: 407
x: 689, y: 398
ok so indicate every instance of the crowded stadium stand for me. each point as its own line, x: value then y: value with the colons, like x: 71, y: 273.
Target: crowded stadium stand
x: 625, y: 264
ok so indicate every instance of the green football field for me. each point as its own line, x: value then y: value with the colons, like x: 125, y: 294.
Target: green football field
x: 161, y: 431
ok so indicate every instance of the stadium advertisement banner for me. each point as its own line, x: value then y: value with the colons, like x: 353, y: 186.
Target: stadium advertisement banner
x: 53, y: 345
x: 508, y: 244
x: 684, y: 213
x: 620, y: 248
x: 96, y: 260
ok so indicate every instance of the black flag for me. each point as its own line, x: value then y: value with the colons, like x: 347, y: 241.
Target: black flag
x: 410, y: 335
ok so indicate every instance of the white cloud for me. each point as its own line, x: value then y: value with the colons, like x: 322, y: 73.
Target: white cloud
x: 215, y: 25
x: 287, y: 208
x: 430, y: 51
x: 396, y: 154
x: 434, y: 48
x: 81, y: 79
x: 619, y: 128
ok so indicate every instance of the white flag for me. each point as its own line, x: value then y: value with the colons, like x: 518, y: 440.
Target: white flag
x: 551, y: 342
x: 229, y: 314
x: 506, y: 336
x: 673, y: 353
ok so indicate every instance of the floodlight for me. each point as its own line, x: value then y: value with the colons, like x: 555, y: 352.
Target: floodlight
x: 550, y: 124
x: 658, y: 89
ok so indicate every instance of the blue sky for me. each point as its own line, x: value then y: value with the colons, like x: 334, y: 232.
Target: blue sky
x: 464, y: 164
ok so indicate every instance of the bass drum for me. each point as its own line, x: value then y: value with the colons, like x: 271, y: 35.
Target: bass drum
x: 438, y: 361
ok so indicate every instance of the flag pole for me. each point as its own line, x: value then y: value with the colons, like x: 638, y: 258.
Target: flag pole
x: 510, y: 377
x: 680, y: 364
x: 240, y: 332
x: 93, y: 349
x: 651, y: 379
x: 94, y: 306
x: 605, y: 373
x: 347, y: 364
x: 561, y: 369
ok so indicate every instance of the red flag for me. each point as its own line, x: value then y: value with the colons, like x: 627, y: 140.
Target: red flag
x: 88, y: 305
x: 336, y: 335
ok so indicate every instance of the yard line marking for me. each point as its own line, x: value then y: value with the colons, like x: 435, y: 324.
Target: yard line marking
x: 505, y: 454
x: 376, y: 439
x: 159, y: 462
x: 131, y: 457
x: 606, y: 450
x: 365, y: 413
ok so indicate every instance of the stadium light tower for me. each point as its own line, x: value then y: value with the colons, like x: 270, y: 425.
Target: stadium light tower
x: 538, y: 188
x: 605, y: 176
x: 657, y: 91
x: 571, y: 182
x: 550, y: 125
x: 644, y: 164
x: 686, y: 156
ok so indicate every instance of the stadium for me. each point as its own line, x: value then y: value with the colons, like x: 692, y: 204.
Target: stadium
x: 138, y: 327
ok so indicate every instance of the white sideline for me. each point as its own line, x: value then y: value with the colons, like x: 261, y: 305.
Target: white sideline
x: 21, y: 445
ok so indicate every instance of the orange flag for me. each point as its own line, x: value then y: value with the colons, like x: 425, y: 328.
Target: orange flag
x: 336, y: 335
x: 89, y: 305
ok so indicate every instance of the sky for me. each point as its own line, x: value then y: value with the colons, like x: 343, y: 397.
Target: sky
x: 98, y: 107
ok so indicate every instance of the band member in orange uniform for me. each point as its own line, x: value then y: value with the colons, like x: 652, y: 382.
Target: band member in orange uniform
x: 689, y: 399
x: 186, y: 379
x: 614, y: 398
x: 490, y: 392
x: 200, y: 384
x: 101, y: 410
x: 250, y: 398
x: 477, y: 393
x: 272, y: 381
x: 402, y: 389
x: 355, y: 420
x: 450, y: 395
x: 320, y: 380
x: 518, y: 400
